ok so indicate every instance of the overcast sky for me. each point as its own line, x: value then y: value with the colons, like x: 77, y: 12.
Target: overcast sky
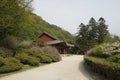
x: 68, y: 14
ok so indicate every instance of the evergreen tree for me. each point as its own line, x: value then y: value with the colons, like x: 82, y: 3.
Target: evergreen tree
x: 82, y: 38
x: 102, y: 30
x: 91, y: 34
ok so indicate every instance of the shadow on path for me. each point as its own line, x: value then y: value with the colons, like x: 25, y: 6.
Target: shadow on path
x: 85, y: 70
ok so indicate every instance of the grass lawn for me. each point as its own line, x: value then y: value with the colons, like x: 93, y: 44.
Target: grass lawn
x: 25, y: 68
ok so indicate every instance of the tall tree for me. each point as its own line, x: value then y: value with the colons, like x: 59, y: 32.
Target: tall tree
x: 91, y: 34
x: 102, y: 30
x: 92, y: 31
x: 82, y: 38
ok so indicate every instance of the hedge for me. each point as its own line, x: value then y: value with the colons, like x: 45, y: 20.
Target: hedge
x: 108, y: 69
x: 10, y: 65
x: 26, y: 59
x: 44, y: 57
x: 54, y: 57
x: 114, y: 58
x: 32, y: 53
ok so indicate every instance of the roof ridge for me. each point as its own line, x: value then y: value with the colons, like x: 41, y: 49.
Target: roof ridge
x: 49, y: 35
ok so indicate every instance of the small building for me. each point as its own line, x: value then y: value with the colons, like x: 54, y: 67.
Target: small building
x: 62, y: 46
x: 47, y: 37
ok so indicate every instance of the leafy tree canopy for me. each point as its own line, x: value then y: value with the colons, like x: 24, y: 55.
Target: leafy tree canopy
x: 13, y: 13
x: 16, y: 19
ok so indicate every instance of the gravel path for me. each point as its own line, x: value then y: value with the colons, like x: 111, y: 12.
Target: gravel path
x: 70, y: 68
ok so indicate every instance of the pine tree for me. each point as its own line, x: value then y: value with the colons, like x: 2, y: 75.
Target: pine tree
x: 92, y: 31
x: 82, y: 38
x: 102, y: 30
x: 91, y: 34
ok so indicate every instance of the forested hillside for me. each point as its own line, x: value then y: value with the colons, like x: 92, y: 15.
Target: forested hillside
x: 36, y: 25
x: 17, y: 19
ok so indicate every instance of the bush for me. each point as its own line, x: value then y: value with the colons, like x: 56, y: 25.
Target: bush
x: 10, y: 42
x: 4, y: 52
x: 1, y: 61
x: 42, y: 55
x: 52, y: 51
x: 38, y: 42
x: 26, y: 59
x: 114, y: 58
x: 54, y: 57
x: 25, y: 44
x: 10, y: 65
x: 45, y: 55
x: 36, y: 48
x: 33, y: 53
x: 106, y: 49
x: 106, y: 68
x: 11, y: 59
x: 45, y: 58
x: 98, y: 52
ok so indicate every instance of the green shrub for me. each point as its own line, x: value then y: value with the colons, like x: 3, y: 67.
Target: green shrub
x: 26, y: 59
x: 10, y: 42
x: 45, y: 58
x: 11, y: 59
x: 114, y: 58
x: 25, y: 44
x: 4, y: 52
x: 38, y: 42
x: 37, y: 54
x: 105, y: 50
x: 106, y: 68
x: 10, y: 65
x: 33, y: 53
x: 1, y: 61
x: 98, y: 52
x: 53, y: 52
x: 54, y: 57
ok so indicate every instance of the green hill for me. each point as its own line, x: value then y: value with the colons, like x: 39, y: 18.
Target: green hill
x: 36, y: 25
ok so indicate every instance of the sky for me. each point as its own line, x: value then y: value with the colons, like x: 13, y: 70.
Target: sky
x: 68, y: 14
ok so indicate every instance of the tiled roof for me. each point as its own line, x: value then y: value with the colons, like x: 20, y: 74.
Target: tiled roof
x: 55, y: 42
x: 48, y: 35
x: 58, y: 42
x: 69, y: 45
